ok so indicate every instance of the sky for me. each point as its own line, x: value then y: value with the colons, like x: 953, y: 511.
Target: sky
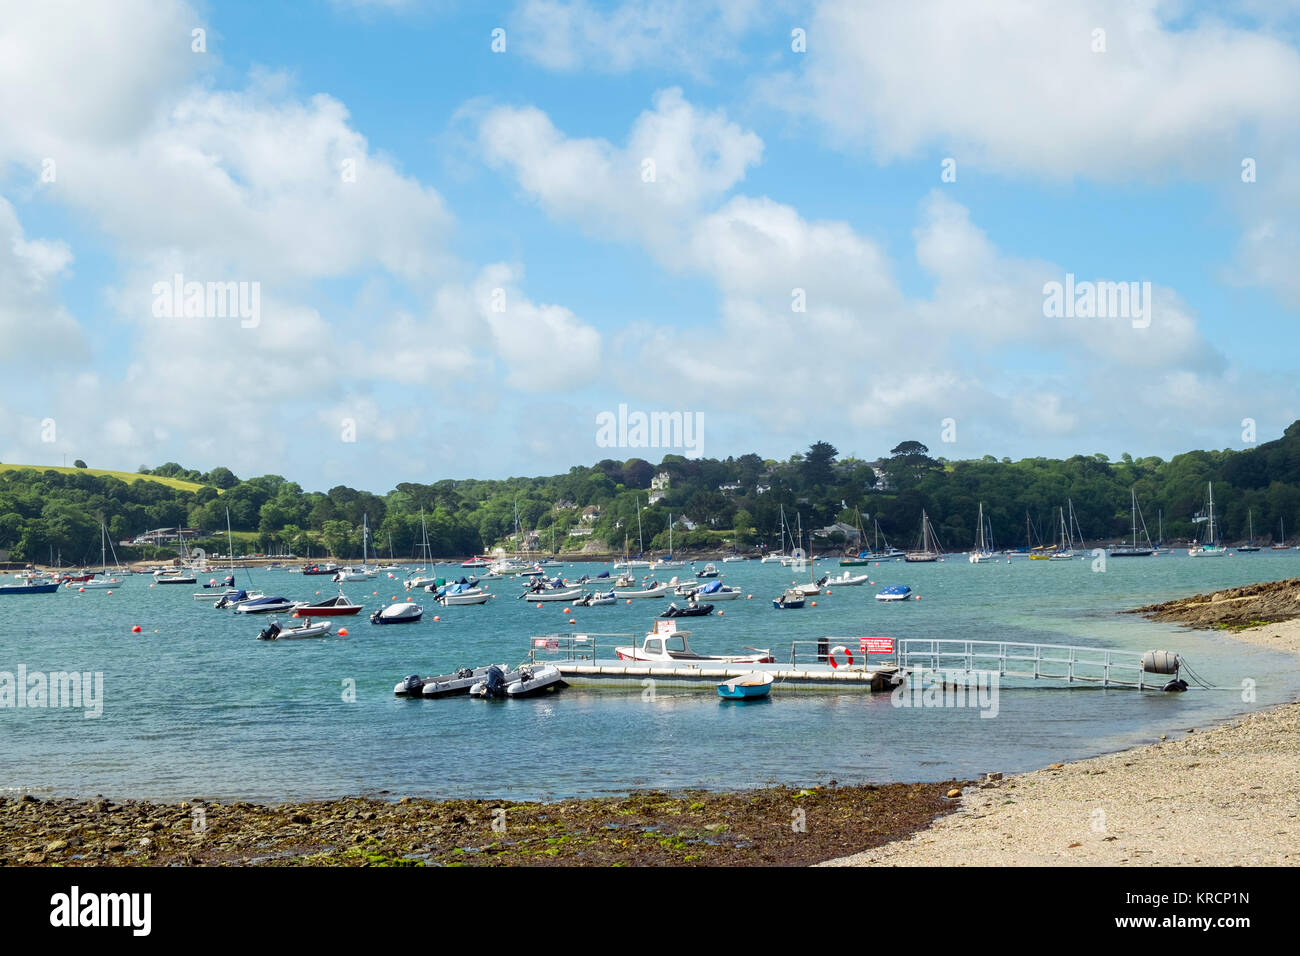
x: 423, y: 240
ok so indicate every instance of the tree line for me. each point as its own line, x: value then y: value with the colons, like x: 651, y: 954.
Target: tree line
x: 722, y: 503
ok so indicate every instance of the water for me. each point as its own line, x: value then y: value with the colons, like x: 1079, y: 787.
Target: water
x: 195, y: 706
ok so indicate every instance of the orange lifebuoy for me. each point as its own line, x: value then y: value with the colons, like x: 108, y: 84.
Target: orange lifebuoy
x: 837, y: 650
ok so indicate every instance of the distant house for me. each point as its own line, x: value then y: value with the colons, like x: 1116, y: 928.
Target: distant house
x: 685, y: 522
x: 590, y: 514
x: 848, y: 532
x: 159, y: 536
x: 730, y: 487
x: 762, y: 489
x: 564, y: 505
x: 655, y: 497
x: 580, y: 532
x: 660, y: 481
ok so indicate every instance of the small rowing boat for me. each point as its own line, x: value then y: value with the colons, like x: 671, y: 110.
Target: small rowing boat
x: 746, y: 687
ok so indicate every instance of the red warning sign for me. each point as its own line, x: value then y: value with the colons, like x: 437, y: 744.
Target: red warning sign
x: 876, y: 645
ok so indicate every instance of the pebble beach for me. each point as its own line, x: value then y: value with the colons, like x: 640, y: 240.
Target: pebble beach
x: 1222, y: 796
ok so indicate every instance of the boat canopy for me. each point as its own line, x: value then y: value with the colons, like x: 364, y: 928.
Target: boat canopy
x: 711, y: 588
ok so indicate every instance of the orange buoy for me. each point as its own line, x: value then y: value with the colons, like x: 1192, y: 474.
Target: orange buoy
x: 136, y: 629
x: 539, y: 605
x: 81, y: 590
x: 437, y: 618
x: 629, y: 600
x: 572, y: 621
x: 720, y: 613
x: 567, y: 610
x: 814, y: 604
x: 343, y: 632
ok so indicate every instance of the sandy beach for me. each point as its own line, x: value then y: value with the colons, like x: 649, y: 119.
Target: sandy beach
x: 1226, y: 796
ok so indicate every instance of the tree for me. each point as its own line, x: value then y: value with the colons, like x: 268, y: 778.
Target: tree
x: 817, y: 465
x: 743, y: 523
x: 78, y: 464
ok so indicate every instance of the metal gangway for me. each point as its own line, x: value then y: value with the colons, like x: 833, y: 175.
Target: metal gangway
x: 1064, y: 662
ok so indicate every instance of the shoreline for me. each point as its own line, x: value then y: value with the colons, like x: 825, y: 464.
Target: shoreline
x: 774, y: 826
x: 1226, y: 796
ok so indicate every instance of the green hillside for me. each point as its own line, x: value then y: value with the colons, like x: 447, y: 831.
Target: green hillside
x: 127, y: 476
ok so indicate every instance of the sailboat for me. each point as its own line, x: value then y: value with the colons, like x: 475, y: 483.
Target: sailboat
x: 667, y: 561
x: 814, y: 586
x: 779, y: 555
x: 929, y: 546
x: 417, y: 581
x: 1211, y: 548
x: 1161, y: 547
x: 864, y: 553
x: 105, y: 582
x: 1065, y: 552
x: 627, y: 564
x: 1250, y: 545
x: 1133, y: 551
x: 983, y: 552
x: 1280, y: 544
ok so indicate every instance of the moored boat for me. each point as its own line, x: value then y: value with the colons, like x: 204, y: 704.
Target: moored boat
x: 274, y: 632
x: 403, y: 613
x: 675, y: 646
x: 894, y: 592
x: 746, y: 687
x: 332, y: 607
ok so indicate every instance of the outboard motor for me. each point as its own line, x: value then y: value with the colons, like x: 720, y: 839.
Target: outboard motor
x: 269, y: 633
x: 496, y: 682
x: 464, y: 673
x: 412, y: 684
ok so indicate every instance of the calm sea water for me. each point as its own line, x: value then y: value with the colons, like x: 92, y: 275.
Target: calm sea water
x: 196, y: 706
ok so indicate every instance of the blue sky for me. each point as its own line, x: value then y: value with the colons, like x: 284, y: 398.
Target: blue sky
x: 500, y: 270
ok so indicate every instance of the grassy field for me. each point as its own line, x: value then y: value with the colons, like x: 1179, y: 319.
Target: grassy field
x: 127, y: 476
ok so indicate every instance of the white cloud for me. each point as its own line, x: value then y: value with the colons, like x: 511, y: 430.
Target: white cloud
x: 33, y: 322
x: 697, y: 156
x: 1016, y: 87
x: 689, y: 36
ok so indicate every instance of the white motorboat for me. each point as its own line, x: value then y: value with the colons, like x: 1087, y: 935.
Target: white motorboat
x: 265, y: 605
x: 343, y: 575
x: 174, y: 577
x: 675, y: 646
x: 895, y: 592
x: 734, y: 558
x: 712, y: 591
x: 553, y: 594
x: 274, y: 632
x: 402, y: 613
x: 596, y: 600
x: 777, y: 558
x: 847, y: 580
x: 710, y: 571
x: 653, y: 590
x: 100, y: 584
x: 451, y: 597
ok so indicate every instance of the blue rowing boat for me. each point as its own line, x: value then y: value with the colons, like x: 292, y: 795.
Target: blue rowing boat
x: 746, y: 687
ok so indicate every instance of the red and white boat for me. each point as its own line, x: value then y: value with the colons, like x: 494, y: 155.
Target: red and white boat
x: 334, y: 607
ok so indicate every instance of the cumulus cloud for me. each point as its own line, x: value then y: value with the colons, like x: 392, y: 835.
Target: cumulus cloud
x: 1017, y: 87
